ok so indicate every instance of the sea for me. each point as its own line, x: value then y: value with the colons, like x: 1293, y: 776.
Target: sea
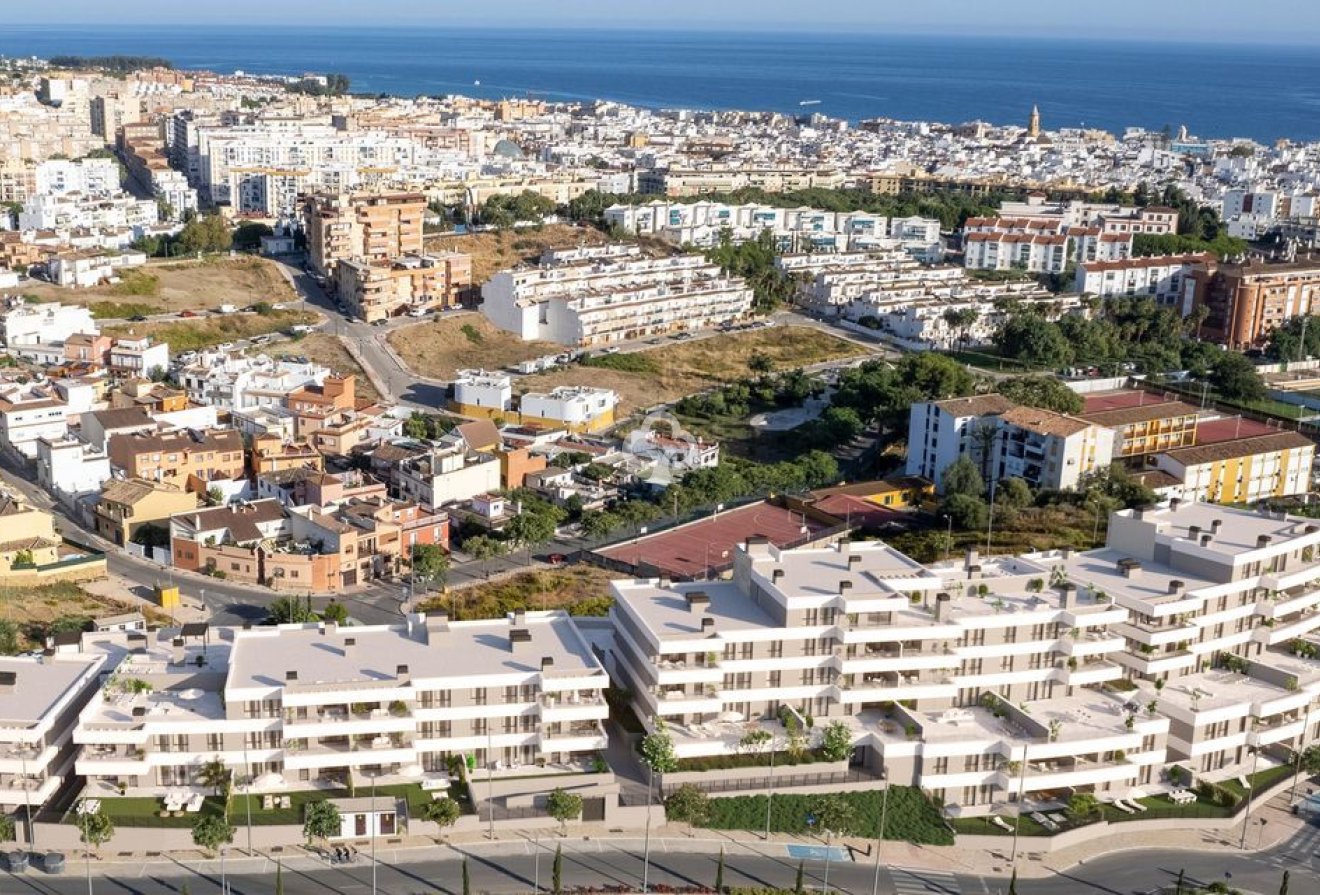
x: 1259, y: 91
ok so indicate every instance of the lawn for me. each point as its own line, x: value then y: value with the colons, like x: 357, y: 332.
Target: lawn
x: 184, y: 285
x: 145, y: 812
x: 1260, y: 781
x: 987, y: 358
x: 439, y: 349
x: 910, y: 817
x: 326, y: 349
x: 1267, y: 406
x: 203, y: 332
x: 662, y: 375
x: 581, y: 589
x: 981, y: 826
x: 494, y: 251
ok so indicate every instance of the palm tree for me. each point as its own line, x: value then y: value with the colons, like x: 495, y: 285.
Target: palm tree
x: 214, y: 775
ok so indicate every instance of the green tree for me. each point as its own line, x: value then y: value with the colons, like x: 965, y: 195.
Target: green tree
x: 1045, y: 392
x: 8, y: 638
x: 416, y: 426
x: 1013, y: 493
x: 321, y: 820
x: 833, y: 814
x: 430, y: 565
x: 483, y: 549
x: 688, y: 804
x: 962, y: 477
x: 799, y: 883
x: 336, y: 612
x: 442, y: 812
x: 7, y: 828
x: 289, y: 611
x: 1028, y: 337
x: 214, y: 496
x: 247, y: 235
x: 467, y: 878
x: 658, y: 750
x: 1235, y: 377
x: 719, y: 874
x: 206, y: 233
x: 760, y: 362
x: 95, y: 829
x: 563, y: 807
x: 1083, y: 805
x: 836, y: 741
x: 968, y: 513
x: 531, y: 529
x: 214, y: 775
x: 210, y: 831
x: 1311, y: 759
x: 557, y: 871
x: 597, y: 524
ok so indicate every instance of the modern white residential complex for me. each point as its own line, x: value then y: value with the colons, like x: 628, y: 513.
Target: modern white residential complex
x: 595, y: 296
x: 985, y: 680
x: 319, y: 705
x: 1165, y: 277
x: 1037, y: 246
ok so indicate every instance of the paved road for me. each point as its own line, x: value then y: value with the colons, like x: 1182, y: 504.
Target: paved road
x: 519, y: 866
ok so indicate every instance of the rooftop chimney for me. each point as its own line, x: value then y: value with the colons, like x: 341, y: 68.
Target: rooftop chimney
x: 843, y: 545
x: 402, y: 673
x: 547, y: 662
x: 972, y: 556
x: 517, y: 636
x: 1215, y: 525
x: 1263, y: 541
x: 1174, y: 503
x: 520, y: 617
x: 1176, y: 587
x: 1131, y: 568
x: 350, y: 645
x: 844, y: 587
x: 176, y: 651
x: 973, y: 572
x: 707, y: 623
x: 776, y: 575
x: 1206, y: 539
x: 697, y: 600
x: 941, y: 606
x: 1067, y: 594
x: 1193, y: 532
x: 854, y: 560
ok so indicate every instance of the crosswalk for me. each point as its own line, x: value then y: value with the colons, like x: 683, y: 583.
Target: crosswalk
x: 923, y: 882
x: 1300, y: 848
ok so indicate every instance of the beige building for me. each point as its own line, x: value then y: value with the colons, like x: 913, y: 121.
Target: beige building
x: 367, y: 227
x: 412, y: 284
x: 127, y: 505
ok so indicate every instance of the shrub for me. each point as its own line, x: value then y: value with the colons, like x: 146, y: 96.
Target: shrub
x: 911, y: 816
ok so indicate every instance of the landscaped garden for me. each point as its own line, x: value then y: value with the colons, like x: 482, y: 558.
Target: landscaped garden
x: 910, y: 816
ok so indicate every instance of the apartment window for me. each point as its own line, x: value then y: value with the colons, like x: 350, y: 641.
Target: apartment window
x: 510, y: 694
x: 479, y: 696
x: 775, y: 678
x: 479, y: 726
x: 811, y: 617
x: 776, y: 649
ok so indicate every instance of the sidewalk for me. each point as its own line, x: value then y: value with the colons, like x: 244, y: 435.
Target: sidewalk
x: 1280, y: 826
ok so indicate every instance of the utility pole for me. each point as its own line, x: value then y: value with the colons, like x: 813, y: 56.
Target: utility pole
x: 1251, y: 791
x: 884, y: 810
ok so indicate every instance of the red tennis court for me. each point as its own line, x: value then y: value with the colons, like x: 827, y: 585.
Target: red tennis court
x: 698, y: 548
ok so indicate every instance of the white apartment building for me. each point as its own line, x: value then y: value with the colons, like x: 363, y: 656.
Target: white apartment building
x: 316, y: 704
x: 1037, y: 246
x: 39, y: 703
x: 704, y: 224
x: 139, y: 358
x: 90, y: 267
x: 1110, y: 218
x: 1163, y: 277
x: 918, y: 317
x: 31, y: 413
x: 596, y: 296
x: 443, y: 477
x: 939, y: 432
x: 73, y: 211
x: 483, y: 389
x: 576, y: 406
x: 88, y: 177
x: 237, y: 382
x: 1047, y: 449
x: 69, y: 466
x: 986, y: 680
x: 47, y: 323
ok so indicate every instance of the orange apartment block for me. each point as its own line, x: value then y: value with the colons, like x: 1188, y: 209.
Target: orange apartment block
x: 1246, y: 302
x: 313, y: 405
x: 364, y: 227
x: 1148, y: 428
x: 270, y: 454
x: 413, y: 284
x: 178, y: 457
x: 92, y: 348
x: 153, y: 397
x: 516, y: 464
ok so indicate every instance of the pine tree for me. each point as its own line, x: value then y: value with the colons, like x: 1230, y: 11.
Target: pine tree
x: 557, y: 871
x: 183, y: 889
x: 467, y: 880
x: 719, y: 875
x: 1178, y: 886
x: 1283, y: 886
x: 798, y: 888
x: 1012, y: 883
x: 279, y: 879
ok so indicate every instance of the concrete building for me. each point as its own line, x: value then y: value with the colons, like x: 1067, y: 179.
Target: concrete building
x: 405, y: 699
x: 126, y: 505
x: 1047, y: 449
x: 412, y: 285
x: 939, y: 432
x: 1148, y: 428
x: 69, y: 466
x: 44, y: 324
x: 187, y: 458
x: 444, y: 476
x: 573, y: 407
x: 1163, y: 277
x: 1246, y: 302
x: 1243, y: 470
x: 596, y: 296
x: 362, y: 227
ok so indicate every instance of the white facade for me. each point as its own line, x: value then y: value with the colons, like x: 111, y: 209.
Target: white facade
x: 1162, y: 277
x: 939, y: 432
x: 1048, y: 450
x: 89, y: 177
x: 451, y: 476
x: 571, y: 404
x: 479, y: 388
x: 91, y: 267
x: 71, y: 467
x: 31, y: 413
x: 595, y: 296
x: 236, y: 382
x: 140, y: 358
x: 49, y: 212
x: 52, y: 322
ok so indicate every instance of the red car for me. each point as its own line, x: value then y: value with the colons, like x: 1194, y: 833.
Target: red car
x: 187, y: 313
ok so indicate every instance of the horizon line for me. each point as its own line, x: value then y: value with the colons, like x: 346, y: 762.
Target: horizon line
x: 778, y: 29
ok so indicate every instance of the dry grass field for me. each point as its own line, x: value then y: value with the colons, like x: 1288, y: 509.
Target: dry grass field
x: 437, y: 350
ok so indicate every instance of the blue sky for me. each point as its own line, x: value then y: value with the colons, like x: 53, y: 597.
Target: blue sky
x: 1228, y: 20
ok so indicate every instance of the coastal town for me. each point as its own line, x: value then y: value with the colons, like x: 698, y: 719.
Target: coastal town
x: 442, y: 472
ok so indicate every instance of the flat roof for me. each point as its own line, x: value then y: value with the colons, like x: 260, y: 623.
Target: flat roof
x: 263, y: 656
x: 666, y: 612
x: 38, y: 686
x: 1238, y: 531
x: 1149, y: 584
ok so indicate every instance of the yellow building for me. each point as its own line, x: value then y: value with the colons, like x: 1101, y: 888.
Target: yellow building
x: 27, y: 535
x: 127, y: 505
x: 1148, y: 428
x: 1244, y: 470
x: 904, y: 492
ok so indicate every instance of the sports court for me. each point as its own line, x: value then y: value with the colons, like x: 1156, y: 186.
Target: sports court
x: 702, y: 547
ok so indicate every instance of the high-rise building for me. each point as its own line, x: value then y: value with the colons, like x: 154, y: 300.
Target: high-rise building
x: 363, y: 227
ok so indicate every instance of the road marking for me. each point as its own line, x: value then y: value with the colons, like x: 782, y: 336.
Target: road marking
x: 924, y: 882
x: 817, y: 852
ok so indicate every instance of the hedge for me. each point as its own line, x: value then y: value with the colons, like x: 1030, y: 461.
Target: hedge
x: 911, y: 816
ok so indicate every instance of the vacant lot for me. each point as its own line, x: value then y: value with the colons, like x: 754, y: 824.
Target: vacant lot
x: 493, y: 252
x: 438, y: 350
x: 203, y: 332
x: 186, y: 285
x: 685, y: 368
x: 326, y: 349
x: 581, y: 589
x: 41, y: 610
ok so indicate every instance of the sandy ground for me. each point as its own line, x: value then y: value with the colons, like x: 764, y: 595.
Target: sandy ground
x: 439, y: 349
x: 493, y: 252
x: 189, y: 286
x: 327, y: 349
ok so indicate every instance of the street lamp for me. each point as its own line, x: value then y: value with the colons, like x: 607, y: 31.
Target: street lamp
x: 646, y: 840
x: 224, y: 886
x: 1251, y: 791
x: 1297, y: 767
x: 375, y: 826
x: 884, y: 810
x: 1017, y: 821
x: 770, y: 788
